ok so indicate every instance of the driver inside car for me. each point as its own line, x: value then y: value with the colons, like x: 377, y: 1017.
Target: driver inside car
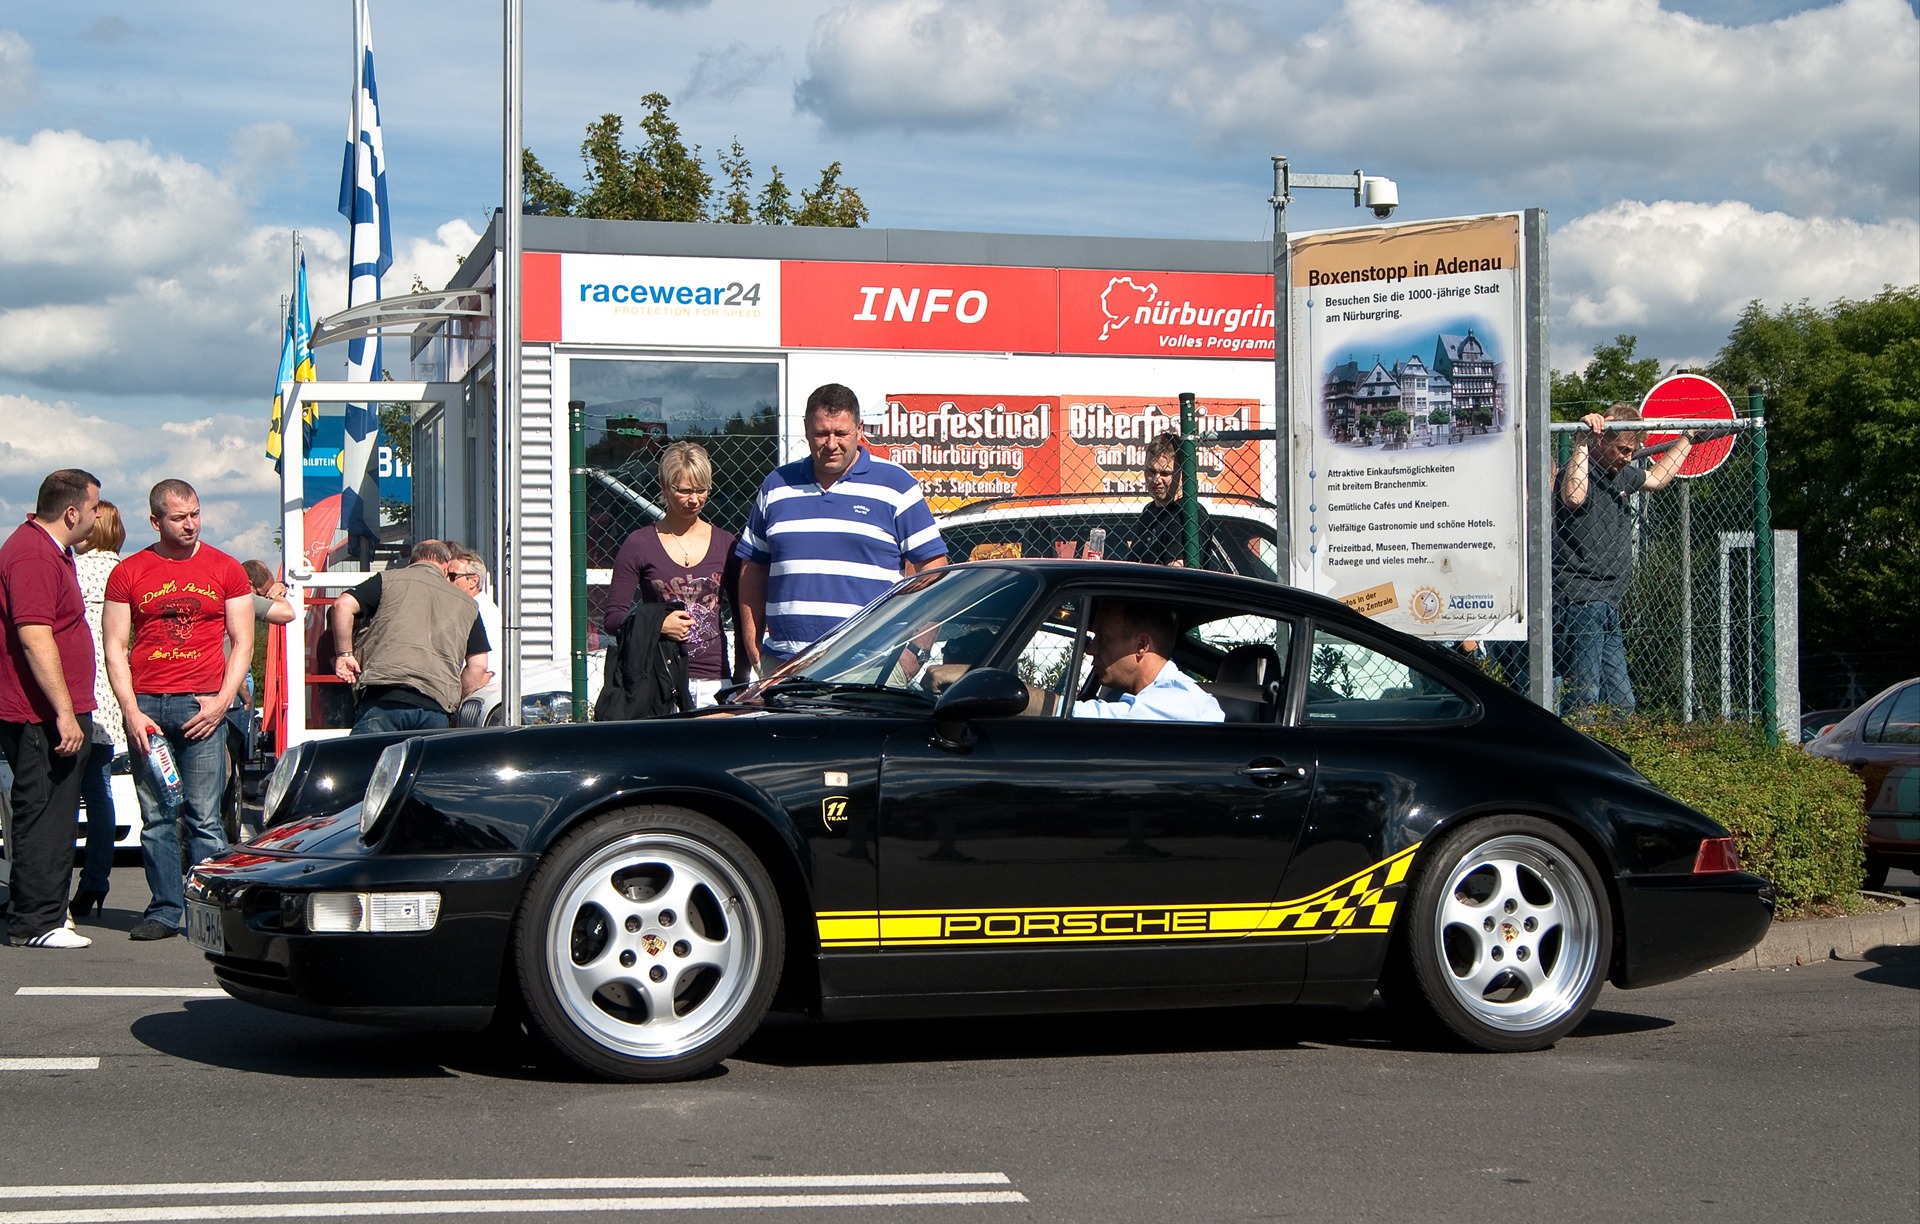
x: 1132, y: 652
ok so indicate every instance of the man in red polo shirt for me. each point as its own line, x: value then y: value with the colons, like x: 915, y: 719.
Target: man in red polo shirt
x: 178, y: 621
x: 46, y: 703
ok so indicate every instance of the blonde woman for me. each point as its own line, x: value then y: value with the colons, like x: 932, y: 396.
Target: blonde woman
x: 686, y: 560
x: 94, y: 561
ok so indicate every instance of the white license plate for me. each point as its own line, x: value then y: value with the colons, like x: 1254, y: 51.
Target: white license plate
x: 203, y: 928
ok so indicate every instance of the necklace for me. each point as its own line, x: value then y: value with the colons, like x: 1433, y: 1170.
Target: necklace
x: 683, y: 551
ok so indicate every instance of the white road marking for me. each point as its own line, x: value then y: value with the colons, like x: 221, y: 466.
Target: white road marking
x: 449, y: 1185
x: 50, y: 1064
x: 123, y: 992
x: 889, y: 1190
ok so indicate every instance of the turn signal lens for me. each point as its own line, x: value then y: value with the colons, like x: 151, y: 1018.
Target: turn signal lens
x: 1716, y: 854
x: 372, y: 913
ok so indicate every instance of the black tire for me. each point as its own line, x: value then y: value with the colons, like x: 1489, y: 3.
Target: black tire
x: 649, y: 944
x: 1876, y: 878
x: 1506, y: 940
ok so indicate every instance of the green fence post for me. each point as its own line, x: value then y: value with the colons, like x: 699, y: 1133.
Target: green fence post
x: 1190, y: 477
x: 1763, y: 561
x: 577, y: 507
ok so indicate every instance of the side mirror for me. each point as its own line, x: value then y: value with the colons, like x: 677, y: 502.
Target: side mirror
x: 984, y: 692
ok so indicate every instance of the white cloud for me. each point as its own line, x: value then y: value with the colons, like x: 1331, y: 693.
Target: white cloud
x: 16, y: 70
x: 915, y: 64
x: 1816, y: 108
x: 218, y: 454
x: 1679, y: 273
x: 122, y: 269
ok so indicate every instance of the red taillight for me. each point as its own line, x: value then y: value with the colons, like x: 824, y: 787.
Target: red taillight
x: 1716, y: 854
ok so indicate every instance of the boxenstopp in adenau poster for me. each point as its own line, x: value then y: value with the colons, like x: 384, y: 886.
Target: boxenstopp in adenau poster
x: 1406, y: 424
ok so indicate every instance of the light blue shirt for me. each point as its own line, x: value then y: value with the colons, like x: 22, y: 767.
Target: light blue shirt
x: 1172, y: 697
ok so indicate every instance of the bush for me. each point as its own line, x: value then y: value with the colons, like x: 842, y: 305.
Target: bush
x: 1797, y: 819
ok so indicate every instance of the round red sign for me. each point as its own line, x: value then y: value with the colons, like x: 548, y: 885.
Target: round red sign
x: 1691, y: 397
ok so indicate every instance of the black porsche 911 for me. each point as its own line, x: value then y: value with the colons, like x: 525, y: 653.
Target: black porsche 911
x: 909, y: 819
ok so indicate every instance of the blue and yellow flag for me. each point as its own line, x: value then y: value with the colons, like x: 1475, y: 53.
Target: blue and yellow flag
x: 296, y: 365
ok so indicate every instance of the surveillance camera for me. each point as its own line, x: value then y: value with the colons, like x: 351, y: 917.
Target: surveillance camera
x: 1382, y: 195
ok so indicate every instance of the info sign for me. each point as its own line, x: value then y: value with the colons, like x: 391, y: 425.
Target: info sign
x: 1407, y: 368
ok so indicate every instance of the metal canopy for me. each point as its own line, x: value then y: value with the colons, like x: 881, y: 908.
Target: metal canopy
x: 405, y: 313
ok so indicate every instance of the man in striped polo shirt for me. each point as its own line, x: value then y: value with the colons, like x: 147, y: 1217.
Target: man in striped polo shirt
x: 827, y: 536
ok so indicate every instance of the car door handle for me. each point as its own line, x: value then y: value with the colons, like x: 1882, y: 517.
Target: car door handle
x: 1273, y: 773
x: 1857, y: 763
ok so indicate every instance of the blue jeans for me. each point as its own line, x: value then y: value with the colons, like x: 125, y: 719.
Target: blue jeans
x: 203, y: 776
x: 374, y: 717
x: 1591, y: 652
x: 96, y: 791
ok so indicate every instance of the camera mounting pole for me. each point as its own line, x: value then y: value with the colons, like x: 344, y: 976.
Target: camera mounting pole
x: 1382, y: 195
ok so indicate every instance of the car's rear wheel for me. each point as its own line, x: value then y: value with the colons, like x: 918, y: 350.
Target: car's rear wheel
x: 649, y: 944
x: 1508, y: 939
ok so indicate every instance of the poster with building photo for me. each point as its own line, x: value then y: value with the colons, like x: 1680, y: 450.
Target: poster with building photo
x: 1407, y: 369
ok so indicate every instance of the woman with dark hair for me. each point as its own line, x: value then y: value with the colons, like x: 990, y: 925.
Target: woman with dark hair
x: 94, y: 561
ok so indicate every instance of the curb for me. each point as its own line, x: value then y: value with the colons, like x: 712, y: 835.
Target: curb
x: 1788, y: 944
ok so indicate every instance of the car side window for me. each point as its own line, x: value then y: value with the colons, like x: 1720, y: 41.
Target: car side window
x: 1242, y: 660
x: 1047, y: 658
x: 1348, y: 681
x: 1897, y: 721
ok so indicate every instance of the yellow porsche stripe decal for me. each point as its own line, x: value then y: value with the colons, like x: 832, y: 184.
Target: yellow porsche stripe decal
x: 1362, y: 903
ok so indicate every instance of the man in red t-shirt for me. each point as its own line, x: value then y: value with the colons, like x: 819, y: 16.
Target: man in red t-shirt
x: 46, y: 704
x: 178, y: 621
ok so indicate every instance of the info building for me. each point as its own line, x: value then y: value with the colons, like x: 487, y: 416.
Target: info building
x: 992, y: 365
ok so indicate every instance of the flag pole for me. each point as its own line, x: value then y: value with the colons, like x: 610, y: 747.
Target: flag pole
x: 506, y: 373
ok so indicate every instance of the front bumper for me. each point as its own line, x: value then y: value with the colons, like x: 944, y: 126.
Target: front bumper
x: 448, y: 977
x: 1672, y: 926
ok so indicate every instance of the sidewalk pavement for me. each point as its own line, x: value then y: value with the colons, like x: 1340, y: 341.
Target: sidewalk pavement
x: 1816, y: 939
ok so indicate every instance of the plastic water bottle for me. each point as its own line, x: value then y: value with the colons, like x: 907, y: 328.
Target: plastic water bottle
x: 160, y: 757
x: 1096, y: 544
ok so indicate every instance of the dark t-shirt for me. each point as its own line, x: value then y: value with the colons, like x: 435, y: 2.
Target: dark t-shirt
x: 644, y: 567
x: 1159, y: 535
x: 39, y: 586
x: 1593, y: 542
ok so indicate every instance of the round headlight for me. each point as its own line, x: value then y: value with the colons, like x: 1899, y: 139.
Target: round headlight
x: 384, y: 786
x: 280, y: 783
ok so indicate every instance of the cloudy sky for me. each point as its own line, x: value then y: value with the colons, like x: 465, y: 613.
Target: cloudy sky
x: 155, y: 156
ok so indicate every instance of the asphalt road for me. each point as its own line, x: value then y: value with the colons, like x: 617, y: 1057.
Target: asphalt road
x: 1754, y: 1096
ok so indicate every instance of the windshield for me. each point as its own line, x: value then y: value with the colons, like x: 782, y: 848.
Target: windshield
x: 913, y: 640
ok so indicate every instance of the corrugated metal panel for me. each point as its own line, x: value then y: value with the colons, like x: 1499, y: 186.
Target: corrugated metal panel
x: 543, y: 598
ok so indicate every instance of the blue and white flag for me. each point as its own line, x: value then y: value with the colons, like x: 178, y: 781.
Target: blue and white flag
x: 363, y: 201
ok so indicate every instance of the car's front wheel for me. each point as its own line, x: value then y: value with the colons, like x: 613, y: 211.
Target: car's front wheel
x: 1508, y: 939
x: 649, y: 944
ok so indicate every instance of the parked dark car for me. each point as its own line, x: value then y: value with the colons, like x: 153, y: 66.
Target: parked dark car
x: 1815, y: 723
x: 1880, y: 741
x: 1058, y: 525
x: 908, y: 819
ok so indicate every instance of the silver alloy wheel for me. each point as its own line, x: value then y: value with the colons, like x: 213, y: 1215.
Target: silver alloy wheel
x: 1516, y: 936
x: 654, y: 945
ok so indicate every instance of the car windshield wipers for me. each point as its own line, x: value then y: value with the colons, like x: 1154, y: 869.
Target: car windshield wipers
x: 806, y: 688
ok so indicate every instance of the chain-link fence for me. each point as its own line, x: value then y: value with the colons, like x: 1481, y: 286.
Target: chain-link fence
x: 1074, y: 475
x: 623, y: 492
x: 1662, y: 597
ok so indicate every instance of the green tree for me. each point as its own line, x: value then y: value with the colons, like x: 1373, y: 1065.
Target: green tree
x: 663, y: 178
x: 1613, y: 376
x: 1841, y: 390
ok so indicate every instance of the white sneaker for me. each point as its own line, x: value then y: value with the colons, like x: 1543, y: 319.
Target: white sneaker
x: 58, y: 937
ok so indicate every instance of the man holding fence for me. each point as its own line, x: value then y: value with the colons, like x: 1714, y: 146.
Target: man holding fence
x: 1593, y: 556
